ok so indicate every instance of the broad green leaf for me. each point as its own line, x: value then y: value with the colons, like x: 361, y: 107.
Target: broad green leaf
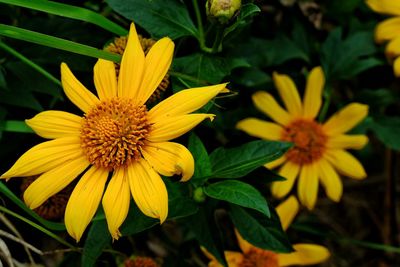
x: 377, y: 99
x: 15, y: 126
x: 251, y: 77
x: 387, y: 129
x: 262, y: 232
x: 247, y: 11
x: 25, y: 98
x: 239, y: 161
x: 202, y: 165
x: 160, y: 18
x: 238, y: 193
x: 203, y: 226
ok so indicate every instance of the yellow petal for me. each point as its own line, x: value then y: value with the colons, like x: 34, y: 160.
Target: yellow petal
x: 55, y: 124
x: 330, y: 180
x: 84, y: 201
x: 305, y: 254
x: 396, y: 67
x: 261, y: 129
x: 156, y: 65
x: 45, y: 157
x: 185, y: 101
x: 275, y: 163
x: 173, y: 127
x: 392, y: 49
x: 288, y: 92
x: 170, y: 158
x: 132, y: 66
x: 345, y: 119
x: 116, y: 201
x: 53, y: 181
x: 307, y: 187
x: 105, y: 79
x: 313, y: 93
x: 148, y: 190
x: 75, y: 91
x: 289, y: 171
x: 345, y: 163
x: 287, y: 211
x: 391, y: 7
x: 244, y: 245
x: 344, y: 141
x: 234, y: 259
x: 266, y: 103
x: 387, y: 30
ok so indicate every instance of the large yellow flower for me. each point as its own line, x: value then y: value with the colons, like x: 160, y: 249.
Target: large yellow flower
x: 319, y: 149
x: 116, y: 136
x: 304, y: 254
x: 389, y: 29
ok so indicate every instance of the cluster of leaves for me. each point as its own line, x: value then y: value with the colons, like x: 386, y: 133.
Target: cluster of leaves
x: 259, y: 38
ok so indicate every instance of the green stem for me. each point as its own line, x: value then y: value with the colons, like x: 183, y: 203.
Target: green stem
x: 201, y: 37
x: 40, y: 228
x: 217, y: 46
x: 29, y: 63
x: 187, y: 77
x: 327, y: 102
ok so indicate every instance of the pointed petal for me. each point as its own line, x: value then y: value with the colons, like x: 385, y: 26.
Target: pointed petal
x: 305, y: 254
x: 289, y: 94
x: 169, y: 158
x: 345, y: 163
x: 345, y: 119
x: 55, y: 124
x: 173, y: 127
x: 243, y: 244
x: 287, y: 211
x: 387, y: 30
x: 185, y: 101
x: 261, y: 129
x: 396, y: 67
x: 389, y: 7
x: 84, y: 201
x: 116, y: 201
x: 307, y: 187
x: 148, y: 190
x: 132, y: 66
x: 53, y: 181
x: 156, y: 65
x: 289, y: 171
x: 266, y: 103
x: 330, y: 180
x: 76, y: 92
x: 344, y: 141
x: 313, y: 93
x: 45, y: 157
x: 105, y: 79
x: 275, y: 163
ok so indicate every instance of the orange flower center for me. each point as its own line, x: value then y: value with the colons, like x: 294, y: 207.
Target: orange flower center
x: 114, y: 132
x: 140, y: 262
x: 257, y: 257
x: 309, y: 141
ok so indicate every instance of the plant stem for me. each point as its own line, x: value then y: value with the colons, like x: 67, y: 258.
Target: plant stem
x: 217, y: 46
x: 201, y: 37
x: 187, y: 77
x: 327, y: 102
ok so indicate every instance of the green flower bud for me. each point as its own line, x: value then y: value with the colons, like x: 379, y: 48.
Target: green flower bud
x: 198, y: 195
x: 222, y: 10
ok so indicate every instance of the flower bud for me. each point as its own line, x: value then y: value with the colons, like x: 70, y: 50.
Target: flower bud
x: 222, y: 10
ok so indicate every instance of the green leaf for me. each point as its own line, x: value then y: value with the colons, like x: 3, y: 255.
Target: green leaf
x: 70, y: 12
x: 259, y: 230
x: 247, y: 11
x: 377, y: 98
x: 238, y: 193
x: 16, y: 127
x: 387, y: 129
x: 54, y: 42
x: 160, y: 18
x: 239, y: 161
x: 251, y: 77
x: 202, y: 165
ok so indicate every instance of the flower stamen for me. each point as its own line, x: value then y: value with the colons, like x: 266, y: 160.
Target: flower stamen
x: 256, y: 257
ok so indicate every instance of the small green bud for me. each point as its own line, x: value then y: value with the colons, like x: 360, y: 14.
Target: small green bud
x: 198, y: 195
x: 222, y: 10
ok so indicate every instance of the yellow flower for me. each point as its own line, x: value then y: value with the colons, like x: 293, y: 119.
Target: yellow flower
x: 304, y: 254
x: 116, y: 136
x: 319, y: 149
x: 389, y: 29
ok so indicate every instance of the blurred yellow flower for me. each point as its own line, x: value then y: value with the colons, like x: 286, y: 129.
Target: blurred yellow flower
x: 319, y: 149
x: 117, y: 136
x: 304, y: 254
x: 389, y: 29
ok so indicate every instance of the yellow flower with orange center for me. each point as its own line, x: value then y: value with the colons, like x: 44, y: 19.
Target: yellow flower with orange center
x: 118, y: 137
x: 251, y: 256
x: 389, y: 29
x: 318, y: 151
